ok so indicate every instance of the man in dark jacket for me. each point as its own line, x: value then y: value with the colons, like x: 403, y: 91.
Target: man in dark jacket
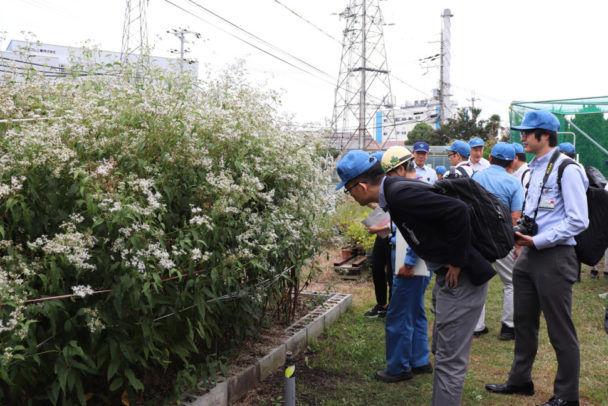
x: 438, y: 229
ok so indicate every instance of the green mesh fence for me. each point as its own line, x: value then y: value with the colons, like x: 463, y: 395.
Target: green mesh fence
x: 582, y: 122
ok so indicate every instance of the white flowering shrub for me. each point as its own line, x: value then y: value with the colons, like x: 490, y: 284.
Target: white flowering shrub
x: 121, y: 187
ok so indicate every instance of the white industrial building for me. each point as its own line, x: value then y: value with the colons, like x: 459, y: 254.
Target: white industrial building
x: 59, y: 61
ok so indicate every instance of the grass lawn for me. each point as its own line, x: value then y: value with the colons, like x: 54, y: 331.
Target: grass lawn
x: 338, y: 369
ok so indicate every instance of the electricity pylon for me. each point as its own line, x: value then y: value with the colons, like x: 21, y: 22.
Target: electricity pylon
x: 135, y: 32
x: 363, y: 104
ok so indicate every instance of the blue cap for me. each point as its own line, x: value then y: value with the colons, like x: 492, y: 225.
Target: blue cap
x: 353, y: 164
x: 440, y: 170
x: 421, y: 146
x: 461, y: 147
x: 476, y: 142
x: 504, y: 151
x: 378, y: 155
x: 519, y: 149
x: 567, y: 148
x: 538, y: 119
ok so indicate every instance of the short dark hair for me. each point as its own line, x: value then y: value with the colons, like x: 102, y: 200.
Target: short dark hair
x: 500, y: 162
x: 521, y: 156
x: 538, y: 132
x: 373, y: 175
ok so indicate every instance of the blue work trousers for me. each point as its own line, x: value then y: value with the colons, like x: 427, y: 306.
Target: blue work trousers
x: 407, y: 343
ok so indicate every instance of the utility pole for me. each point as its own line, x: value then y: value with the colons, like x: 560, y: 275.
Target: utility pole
x: 181, y: 34
x: 135, y: 32
x: 444, y: 81
x: 473, y: 99
x: 363, y: 104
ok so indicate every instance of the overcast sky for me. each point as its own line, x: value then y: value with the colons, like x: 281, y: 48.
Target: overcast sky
x: 501, y: 50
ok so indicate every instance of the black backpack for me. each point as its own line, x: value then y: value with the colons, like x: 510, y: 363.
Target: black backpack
x: 591, y: 243
x: 491, y: 223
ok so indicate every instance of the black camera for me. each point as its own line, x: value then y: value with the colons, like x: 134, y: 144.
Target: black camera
x: 526, y: 225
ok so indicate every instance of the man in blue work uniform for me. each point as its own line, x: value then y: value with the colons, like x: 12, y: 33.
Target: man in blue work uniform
x: 458, y: 154
x: 547, y: 266
x: 438, y: 228
x: 477, y: 161
x: 421, y: 154
x: 407, y: 344
x: 508, y: 189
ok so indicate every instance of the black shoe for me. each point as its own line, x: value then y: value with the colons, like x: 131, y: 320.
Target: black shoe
x: 375, y: 312
x: 555, y: 401
x: 479, y: 333
x: 594, y: 274
x: 424, y: 369
x: 506, y: 333
x: 507, y: 389
x: 606, y: 321
x: 388, y: 378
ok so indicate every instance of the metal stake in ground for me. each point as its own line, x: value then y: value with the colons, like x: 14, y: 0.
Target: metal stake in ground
x: 290, y: 380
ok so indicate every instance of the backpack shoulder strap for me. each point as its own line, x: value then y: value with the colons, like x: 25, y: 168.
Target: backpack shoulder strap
x: 462, y: 171
x: 523, y: 175
x: 560, y: 171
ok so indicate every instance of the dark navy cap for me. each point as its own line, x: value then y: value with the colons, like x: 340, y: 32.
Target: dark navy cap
x: 421, y: 146
x: 538, y: 119
x: 353, y: 164
x: 461, y: 147
x: 504, y: 151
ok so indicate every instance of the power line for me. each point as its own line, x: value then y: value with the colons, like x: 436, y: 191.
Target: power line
x: 260, y: 39
x: 309, y: 22
x: 249, y: 43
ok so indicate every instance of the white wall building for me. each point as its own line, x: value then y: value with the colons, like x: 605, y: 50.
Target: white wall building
x: 58, y: 60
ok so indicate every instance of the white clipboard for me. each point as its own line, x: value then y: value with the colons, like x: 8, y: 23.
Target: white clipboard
x: 420, y: 268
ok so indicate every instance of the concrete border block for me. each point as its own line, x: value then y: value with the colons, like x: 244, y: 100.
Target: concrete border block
x: 272, y: 361
x: 217, y: 396
x: 240, y: 383
x: 296, y: 342
x: 315, y: 328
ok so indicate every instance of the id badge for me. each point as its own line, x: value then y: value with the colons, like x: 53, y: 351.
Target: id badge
x: 547, y: 204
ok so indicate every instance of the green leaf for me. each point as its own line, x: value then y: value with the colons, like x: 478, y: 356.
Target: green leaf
x: 113, y: 367
x: 116, y: 383
x: 135, y: 383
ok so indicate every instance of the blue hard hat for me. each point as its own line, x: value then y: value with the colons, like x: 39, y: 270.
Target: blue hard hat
x: 519, y: 149
x: 461, y: 147
x: 504, y: 151
x: 567, y: 148
x: 538, y: 119
x: 353, y: 164
x: 476, y: 142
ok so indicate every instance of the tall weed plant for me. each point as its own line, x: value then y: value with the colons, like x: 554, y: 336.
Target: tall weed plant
x: 122, y: 184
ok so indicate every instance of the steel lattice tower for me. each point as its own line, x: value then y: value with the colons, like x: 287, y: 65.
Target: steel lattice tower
x: 363, y: 106
x: 135, y: 32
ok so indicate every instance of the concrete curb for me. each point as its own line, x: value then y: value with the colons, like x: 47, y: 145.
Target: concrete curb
x: 298, y: 336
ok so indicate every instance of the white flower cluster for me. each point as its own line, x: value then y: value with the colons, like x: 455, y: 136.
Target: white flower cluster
x: 105, y: 168
x: 14, y: 187
x: 73, y: 244
x: 153, y: 253
x: 94, y: 323
x: 82, y: 290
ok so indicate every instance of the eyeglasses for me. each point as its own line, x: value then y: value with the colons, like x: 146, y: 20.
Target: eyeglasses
x: 348, y: 189
x: 451, y: 153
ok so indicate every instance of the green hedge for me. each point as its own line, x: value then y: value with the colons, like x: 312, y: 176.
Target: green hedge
x: 126, y: 185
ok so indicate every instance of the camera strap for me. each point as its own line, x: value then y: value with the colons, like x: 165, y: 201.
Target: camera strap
x: 548, y: 170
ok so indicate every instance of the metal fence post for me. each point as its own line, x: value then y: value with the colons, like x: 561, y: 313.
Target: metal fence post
x: 290, y: 380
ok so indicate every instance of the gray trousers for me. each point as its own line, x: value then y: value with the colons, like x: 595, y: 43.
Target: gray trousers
x: 504, y: 267
x: 542, y: 281
x: 456, y: 312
